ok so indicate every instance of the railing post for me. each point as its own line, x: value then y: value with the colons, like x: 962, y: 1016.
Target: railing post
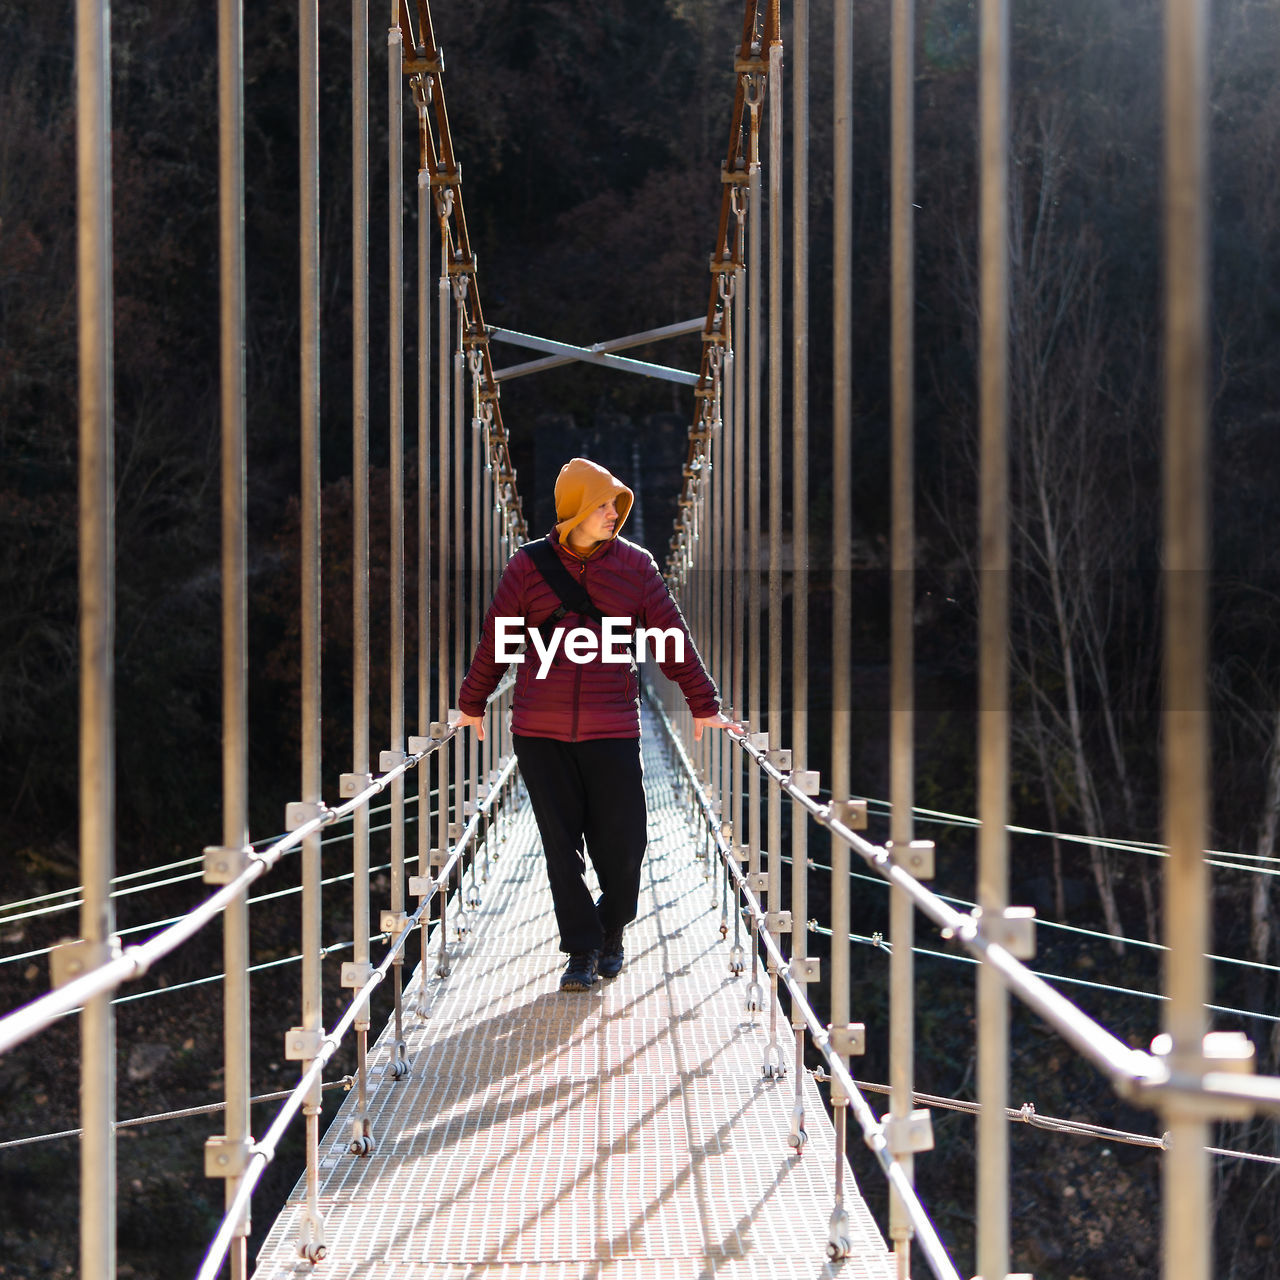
x: 993, y: 677
x: 777, y: 217
x: 360, y: 677
x: 395, y: 393
x: 97, y: 627
x: 424, y: 512
x: 755, y: 370
x: 236, y: 1133
x: 444, y: 381
x: 799, y: 513
x: 312, y: 1243
x: 1186, y: 1187
x: 902, y: 640
x: 841, y: 563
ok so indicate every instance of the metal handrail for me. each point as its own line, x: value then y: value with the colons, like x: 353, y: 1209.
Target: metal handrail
x: 1134, y: 1073
x: 264, y: 1152
x: 872, y: 1130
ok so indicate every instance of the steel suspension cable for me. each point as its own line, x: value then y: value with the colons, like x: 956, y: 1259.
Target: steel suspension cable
x: 96, y: 542
x: 226, y: 1149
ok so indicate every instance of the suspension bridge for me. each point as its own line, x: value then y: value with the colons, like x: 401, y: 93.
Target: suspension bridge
x: 668, y: 1124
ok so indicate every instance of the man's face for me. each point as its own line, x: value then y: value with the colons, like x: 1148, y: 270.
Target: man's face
x: 600, y: 524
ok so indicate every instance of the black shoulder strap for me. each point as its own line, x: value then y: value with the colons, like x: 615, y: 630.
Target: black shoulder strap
x: 573, y: 595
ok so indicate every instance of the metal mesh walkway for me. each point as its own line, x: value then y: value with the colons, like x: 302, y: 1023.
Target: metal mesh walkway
x: 624, y: 1132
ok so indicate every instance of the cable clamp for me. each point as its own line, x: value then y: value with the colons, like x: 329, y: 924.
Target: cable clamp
x: 297, y: 813
x: 393, y: 922
x: 438, y: 857
x: 222, y: 864
x: 805, y: 968
x: 760, y: 741
x: 807, y: 781
x: 850, y: 1041
x: 388, y: 760
x: 447, y: 178
x: 72, y: 958
x: 848, y: 813
x: 419, y: 746
x: 916, y: 858
x: 302, y: 1044
x: 909, y: 1134
x: 422, y: 886
x: 777, y: 921
x: 1014, y: 929
x: 355, y: 973
x: 352, y: 784
x: 226, y: 1157
x: 735, y: 178
x: 758, y: 881
x: 780, y: 758
x: 1221, y: 1053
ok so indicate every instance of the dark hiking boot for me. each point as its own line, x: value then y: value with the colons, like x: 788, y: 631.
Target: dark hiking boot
x: 580, y: 973
x: 609, y: 964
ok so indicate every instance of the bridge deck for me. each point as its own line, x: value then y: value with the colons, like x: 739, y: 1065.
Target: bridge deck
x: 625, y: 1132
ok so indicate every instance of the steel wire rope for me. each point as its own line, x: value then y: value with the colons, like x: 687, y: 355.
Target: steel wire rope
x: 1118, y: 843
x: 262, y: 897
x: 195, y: 861
x: 880, y: 944
x: 1067, y: 928
x: 182, y: 1113
x: 1027, y: 1114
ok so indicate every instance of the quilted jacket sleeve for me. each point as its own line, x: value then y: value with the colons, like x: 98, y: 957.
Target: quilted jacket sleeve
x: 659, y: 610
x: 485, y: 672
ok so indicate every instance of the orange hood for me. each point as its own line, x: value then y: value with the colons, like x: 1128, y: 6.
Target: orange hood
x: 581, y: 487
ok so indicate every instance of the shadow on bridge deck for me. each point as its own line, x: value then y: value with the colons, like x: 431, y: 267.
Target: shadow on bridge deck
x: 624, y: 1132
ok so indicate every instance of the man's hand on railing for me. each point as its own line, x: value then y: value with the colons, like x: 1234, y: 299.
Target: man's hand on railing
x: 717, y: 721
x: 464, y: 721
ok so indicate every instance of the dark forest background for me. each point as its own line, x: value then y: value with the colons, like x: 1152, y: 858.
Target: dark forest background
x: 591, y: 137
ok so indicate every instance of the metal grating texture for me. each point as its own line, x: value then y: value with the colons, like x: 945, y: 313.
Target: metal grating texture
x: 624, y: 1133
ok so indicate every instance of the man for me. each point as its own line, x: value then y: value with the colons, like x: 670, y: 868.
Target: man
x: 576, y: 714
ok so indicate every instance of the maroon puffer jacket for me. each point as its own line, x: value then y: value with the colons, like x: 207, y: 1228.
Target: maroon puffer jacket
x: 575, y: 702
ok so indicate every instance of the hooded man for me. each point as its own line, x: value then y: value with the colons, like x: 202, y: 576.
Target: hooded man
x: 575, y: 718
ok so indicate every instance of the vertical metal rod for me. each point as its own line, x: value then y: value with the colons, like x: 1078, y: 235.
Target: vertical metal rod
x: 309, y: 237
x: 444, y: 673
x: 993, y: 678
x: 799, y: 499
x: 728, y: 562
x: 755, y: 369
x: 360, y: 676
x: 1186, y: 1189
x: 460, y: 758
x: 777, y: 217
x: 841, y: 534
x: 235, y: 655
x: 97, y: 626
x: 475, y: 565
x: 395, y: 393
x: 424, y: 529
x: 902, y: 565
x: 742, y: 293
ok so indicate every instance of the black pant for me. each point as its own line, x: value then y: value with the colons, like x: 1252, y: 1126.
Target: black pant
x: 593, y: 792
